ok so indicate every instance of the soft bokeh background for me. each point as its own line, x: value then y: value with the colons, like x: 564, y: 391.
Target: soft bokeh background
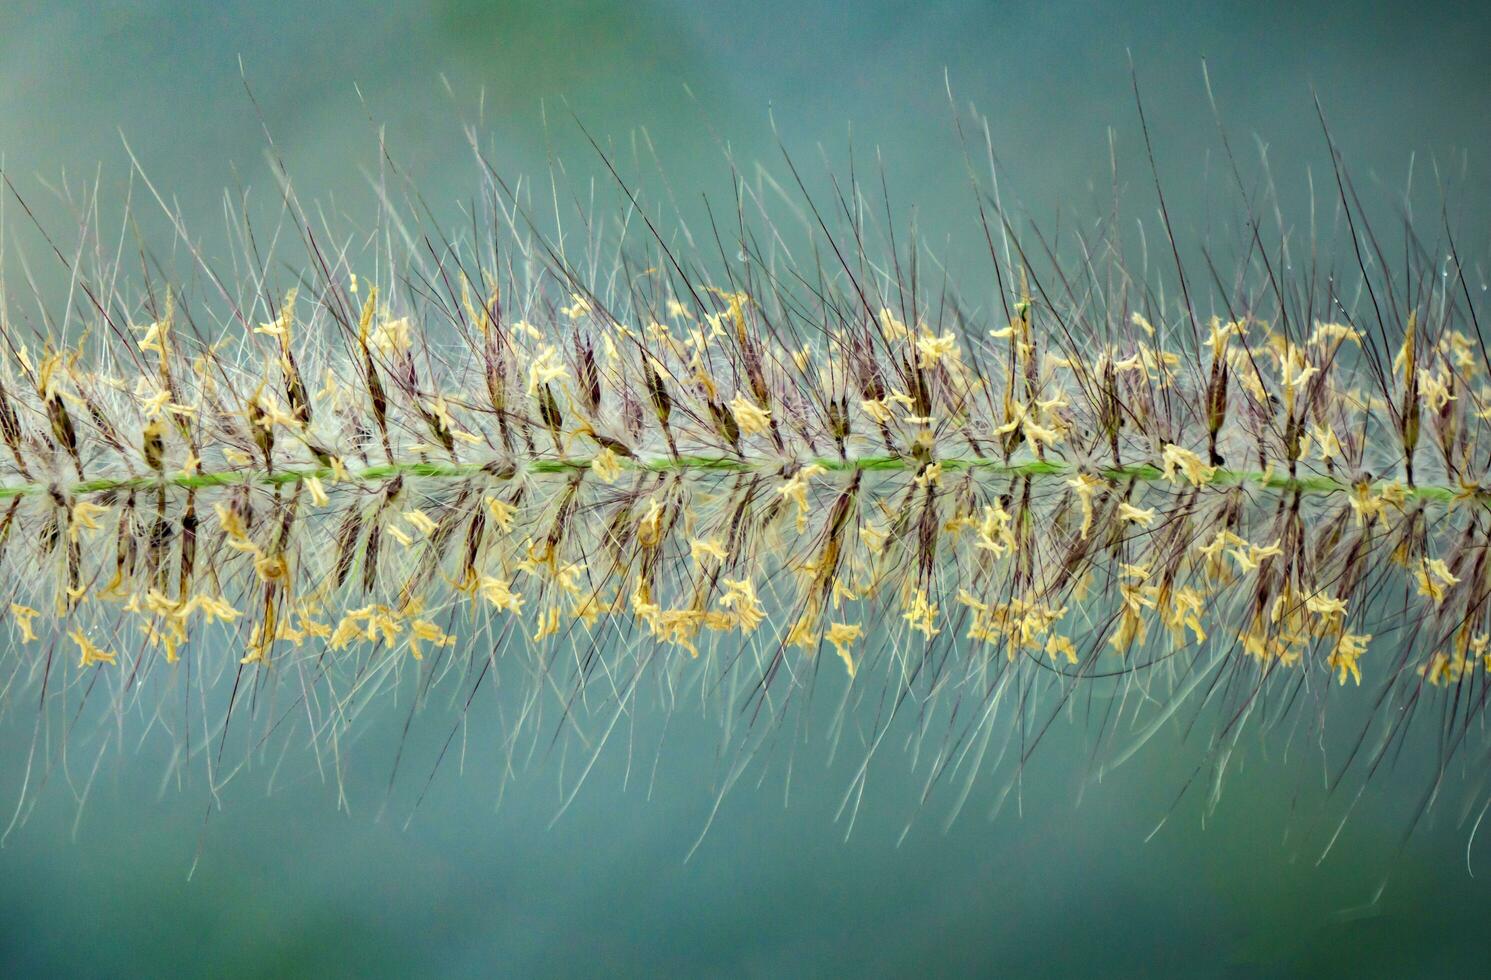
x: 1066, y: 877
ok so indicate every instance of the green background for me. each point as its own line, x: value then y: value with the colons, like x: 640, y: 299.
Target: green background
x: 1064, y: 877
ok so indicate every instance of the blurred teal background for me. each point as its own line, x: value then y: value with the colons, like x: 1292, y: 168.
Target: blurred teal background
x: 1065, y: 878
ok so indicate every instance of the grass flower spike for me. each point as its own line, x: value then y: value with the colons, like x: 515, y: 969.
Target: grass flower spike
x: 489, y: 462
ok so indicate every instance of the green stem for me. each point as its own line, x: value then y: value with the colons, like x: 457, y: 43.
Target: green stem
x: 1142, y: 472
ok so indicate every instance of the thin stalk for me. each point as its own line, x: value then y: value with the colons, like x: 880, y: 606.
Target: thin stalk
x: 1034, y: 468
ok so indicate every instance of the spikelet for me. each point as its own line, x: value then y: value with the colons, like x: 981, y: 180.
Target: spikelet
x: 730, y: 478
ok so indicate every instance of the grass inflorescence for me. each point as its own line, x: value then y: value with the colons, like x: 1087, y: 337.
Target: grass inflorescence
x: 486, y: 454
